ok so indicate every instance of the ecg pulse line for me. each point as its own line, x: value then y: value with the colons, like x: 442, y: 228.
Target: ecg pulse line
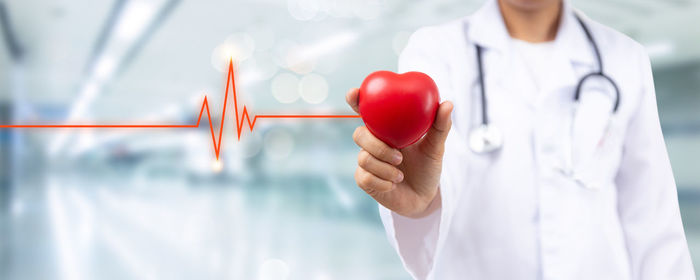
x: 241, y: 119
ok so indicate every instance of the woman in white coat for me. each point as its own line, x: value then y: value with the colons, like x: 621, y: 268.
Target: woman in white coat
x: 580, y: 189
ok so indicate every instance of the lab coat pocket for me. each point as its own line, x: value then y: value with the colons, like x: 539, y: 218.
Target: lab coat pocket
x: 600, y: 167
x: 597, y: 139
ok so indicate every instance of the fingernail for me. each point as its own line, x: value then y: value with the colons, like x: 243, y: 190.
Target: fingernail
x: 398, y: 157
x: 399, y: 177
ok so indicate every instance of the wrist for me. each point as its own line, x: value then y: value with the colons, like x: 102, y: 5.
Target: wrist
x: 430, y: 207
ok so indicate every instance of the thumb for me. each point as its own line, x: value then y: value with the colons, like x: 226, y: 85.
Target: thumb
x: 437, y: 134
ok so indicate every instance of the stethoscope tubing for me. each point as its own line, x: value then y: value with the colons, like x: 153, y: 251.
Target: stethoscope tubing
x: 579, y: 86
x: 599, y: 59
x: 484, y: 107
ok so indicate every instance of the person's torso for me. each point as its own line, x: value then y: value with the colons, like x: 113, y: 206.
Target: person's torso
x: 517, y: 215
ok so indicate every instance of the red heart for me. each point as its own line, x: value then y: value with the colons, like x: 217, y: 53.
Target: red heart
x: 398, y: 108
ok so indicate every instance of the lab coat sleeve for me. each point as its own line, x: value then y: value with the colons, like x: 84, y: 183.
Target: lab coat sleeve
x: 647, y: 197
x: 417, y: 241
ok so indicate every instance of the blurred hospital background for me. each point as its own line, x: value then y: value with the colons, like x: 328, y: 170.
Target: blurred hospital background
x: 281, y: 203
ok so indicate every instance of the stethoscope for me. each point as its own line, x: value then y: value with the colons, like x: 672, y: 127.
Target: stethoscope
x: 487, y: 138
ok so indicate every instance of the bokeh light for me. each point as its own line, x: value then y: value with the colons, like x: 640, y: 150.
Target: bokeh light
x: 303, y: 9
x: 238, y: 46
x: 399, y: 42
x: 274, y: 269
x: 285, y: 88
x: 313, y: 88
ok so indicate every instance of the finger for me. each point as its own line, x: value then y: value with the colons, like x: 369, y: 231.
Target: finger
x: 352, y: 98
x: 437, y: 134
x: 380, y: 150
x: 371, y: 184
x: 379, y: 168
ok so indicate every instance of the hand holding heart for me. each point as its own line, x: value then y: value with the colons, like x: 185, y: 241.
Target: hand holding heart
x: 404, y: 180
x: 398, y: 108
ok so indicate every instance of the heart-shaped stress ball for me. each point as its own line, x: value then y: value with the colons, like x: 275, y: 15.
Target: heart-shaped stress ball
x: 398, y: 108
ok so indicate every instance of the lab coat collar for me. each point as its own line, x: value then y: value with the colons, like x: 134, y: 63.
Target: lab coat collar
x: 487, y: 29
x: 571, y: 38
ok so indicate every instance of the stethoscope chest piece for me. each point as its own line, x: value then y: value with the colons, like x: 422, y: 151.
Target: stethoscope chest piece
x: 485, y: 139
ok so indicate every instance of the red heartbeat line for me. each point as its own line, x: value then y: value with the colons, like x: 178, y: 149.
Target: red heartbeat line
x: 241, y: 119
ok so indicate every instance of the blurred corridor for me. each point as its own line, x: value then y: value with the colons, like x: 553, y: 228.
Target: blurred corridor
x: 281, y: 203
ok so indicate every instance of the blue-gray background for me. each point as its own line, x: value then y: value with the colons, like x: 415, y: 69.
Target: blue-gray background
x: 282, y: 204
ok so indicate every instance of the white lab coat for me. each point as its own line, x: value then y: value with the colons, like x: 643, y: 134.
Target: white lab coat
x: 511, y: 214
